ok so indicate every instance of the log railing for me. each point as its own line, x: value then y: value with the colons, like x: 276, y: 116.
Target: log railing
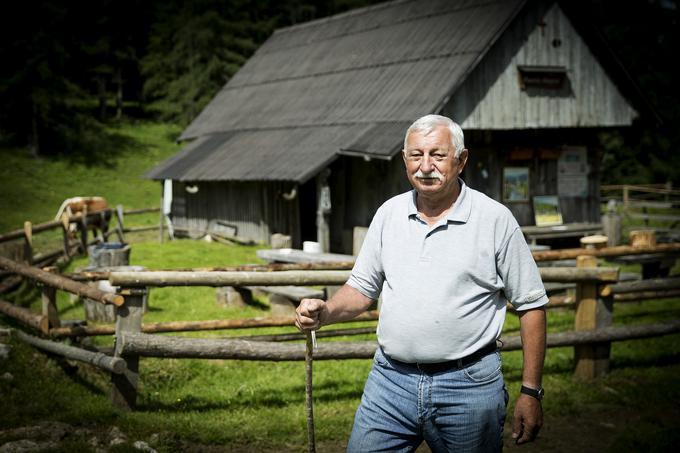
x: 29, y: 229
x: 82, y: 221
x: 596, y: 290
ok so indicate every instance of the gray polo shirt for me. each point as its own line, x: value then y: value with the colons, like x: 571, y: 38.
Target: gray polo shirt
x: 444, y: 287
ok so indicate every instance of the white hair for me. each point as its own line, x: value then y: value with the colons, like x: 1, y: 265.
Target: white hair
x: 427, y: 123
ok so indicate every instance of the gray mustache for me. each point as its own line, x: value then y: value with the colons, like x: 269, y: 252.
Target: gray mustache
x: 430, y: 175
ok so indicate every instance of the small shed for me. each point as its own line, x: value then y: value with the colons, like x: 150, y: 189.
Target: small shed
x: 305, y: 139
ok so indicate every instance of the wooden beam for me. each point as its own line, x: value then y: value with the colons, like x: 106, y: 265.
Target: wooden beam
x: 302, y: 336
x: 193, y: 326
x: 652, y: 284
x: 24, y: 315
x: 114, y: 365
x: 174, y: 278
x: 182, y: 347
x: 60, y: 282
x: 273, y: 267
x: 564, y: 254
x: 579, y: 275
x: 141, y: 211
x: 217, y: 278
x: 645, y: 295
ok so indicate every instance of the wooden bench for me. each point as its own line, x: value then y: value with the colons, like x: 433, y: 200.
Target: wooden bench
x: 284, y: 299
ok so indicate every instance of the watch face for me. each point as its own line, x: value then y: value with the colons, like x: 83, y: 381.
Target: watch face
x: 541, y: 392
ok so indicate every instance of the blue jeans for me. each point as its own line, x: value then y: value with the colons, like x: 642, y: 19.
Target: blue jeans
x: 461, y: 410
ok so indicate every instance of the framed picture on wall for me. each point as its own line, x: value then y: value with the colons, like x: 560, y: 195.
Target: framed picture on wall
x: 547, y: 210
x: 516, y: 184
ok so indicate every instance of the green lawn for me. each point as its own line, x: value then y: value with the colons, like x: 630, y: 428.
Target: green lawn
x: 34, y: 189
x: 220, y: 405
x: 251, y: 406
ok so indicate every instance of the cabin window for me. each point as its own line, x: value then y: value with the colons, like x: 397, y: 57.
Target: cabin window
x: 550, y: 77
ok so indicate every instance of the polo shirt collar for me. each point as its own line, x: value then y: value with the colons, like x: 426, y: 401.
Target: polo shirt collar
x: 461, y: 208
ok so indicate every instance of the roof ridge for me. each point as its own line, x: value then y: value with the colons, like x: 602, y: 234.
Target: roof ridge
x: 264, y: 51
x: 338, y: 16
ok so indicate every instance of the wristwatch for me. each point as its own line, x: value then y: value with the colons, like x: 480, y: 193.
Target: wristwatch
x: 536, y: 393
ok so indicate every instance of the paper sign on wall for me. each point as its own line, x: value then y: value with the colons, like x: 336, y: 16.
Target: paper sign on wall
x: 572, y: 172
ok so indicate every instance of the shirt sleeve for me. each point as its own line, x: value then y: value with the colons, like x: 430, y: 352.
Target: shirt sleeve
x: 516, y: 267
x: 368, y: 275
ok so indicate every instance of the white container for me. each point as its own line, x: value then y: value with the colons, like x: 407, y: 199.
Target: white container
x: 311, y: 247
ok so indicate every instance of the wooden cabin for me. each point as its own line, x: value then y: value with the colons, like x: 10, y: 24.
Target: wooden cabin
x: 305, y: 139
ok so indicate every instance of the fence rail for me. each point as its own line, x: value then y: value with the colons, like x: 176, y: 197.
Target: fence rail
x: 596, y: 290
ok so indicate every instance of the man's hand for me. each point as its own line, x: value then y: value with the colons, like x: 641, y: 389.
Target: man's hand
x: 310, y: 314
x: 528, y: 419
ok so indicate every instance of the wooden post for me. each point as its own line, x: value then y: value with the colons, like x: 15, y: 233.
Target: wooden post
x: 120, y: 227
x: 592, y: 313
x: 642, y: 238
x: 65, y: 222
x: 595, y: 241
x: 49, y: 303
x: 323, y: 210
x: 83, y: 231
x: 626, y: 196
x: 128, y: 320
x: 309, y: 405
x: 611, y: 223
x: 28, y: 242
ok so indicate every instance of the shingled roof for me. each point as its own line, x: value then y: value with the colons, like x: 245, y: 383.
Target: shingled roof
x: 350, y: 83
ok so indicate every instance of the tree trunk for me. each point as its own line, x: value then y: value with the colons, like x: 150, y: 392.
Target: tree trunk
x: 34, y: 139
x: 118, y: 80
x: 101, y: 95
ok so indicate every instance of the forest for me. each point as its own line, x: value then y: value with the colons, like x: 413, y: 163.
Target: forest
x: 71, y: 68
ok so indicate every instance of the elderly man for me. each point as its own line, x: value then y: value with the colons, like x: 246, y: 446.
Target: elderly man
x: 446, y: 258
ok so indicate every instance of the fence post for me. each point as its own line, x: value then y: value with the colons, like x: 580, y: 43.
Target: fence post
x: 83, y: 230
x: 65, y: 223
x: 28, y: 242
x: 611, y: 223
x: 49, y: 303
x: 120, y: 227
x: 128, y: 320
x: 592, y: 312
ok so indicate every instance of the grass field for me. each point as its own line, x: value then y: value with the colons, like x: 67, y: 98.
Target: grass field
x: 215, y: 406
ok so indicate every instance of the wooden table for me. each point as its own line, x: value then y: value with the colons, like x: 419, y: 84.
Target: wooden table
x: 568, y: 230
x: 300, y: 256
x: 653, y: 264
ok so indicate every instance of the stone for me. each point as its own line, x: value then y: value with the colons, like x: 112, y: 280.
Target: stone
x: 4, y: 351
x: 281, y: 241
x: 143, y: 446
x: 229, y: 297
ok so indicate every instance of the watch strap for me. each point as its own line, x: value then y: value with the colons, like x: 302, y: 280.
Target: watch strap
x: 536, y: 393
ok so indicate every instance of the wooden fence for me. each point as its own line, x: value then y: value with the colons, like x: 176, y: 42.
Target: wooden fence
x: 597, y: 288
x: 631, y: 207
x: 75, y: 231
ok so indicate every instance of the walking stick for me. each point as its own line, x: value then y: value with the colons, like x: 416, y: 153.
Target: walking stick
x: 311, y: 344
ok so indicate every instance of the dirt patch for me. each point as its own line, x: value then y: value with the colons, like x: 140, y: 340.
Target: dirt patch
x: 590, y: 431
